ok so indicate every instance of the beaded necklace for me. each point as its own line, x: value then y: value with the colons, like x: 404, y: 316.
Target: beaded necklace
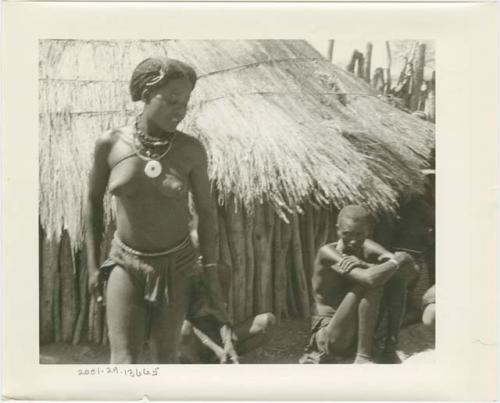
x: 151, y: 149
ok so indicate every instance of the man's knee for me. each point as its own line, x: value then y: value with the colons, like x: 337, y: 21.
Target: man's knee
x: 263, y: 323
x: 187, y: 329
x: 338, y: 342
x: 429, y: 315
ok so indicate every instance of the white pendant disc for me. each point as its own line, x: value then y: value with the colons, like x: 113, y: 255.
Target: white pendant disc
x: 152, y: 169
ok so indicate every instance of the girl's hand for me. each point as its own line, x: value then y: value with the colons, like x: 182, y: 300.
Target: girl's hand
x: 96, y: 285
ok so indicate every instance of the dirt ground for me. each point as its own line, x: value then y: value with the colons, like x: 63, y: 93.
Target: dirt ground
x: 286, y: 347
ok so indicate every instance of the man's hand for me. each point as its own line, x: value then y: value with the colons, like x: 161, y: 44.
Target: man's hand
x: 406, y: 264
x: 96, y: 285
x: 384, y: 257
x: 347, y: 263
x: 402, y: 257
x: 230, y: 356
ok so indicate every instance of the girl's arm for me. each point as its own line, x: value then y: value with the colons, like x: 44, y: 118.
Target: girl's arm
x: 94, y: 211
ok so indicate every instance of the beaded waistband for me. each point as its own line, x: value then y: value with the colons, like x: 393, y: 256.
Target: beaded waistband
x: 184, y: 244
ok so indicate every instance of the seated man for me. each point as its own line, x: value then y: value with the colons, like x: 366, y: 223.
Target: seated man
x: 205, y: 340
x: 348, y: 283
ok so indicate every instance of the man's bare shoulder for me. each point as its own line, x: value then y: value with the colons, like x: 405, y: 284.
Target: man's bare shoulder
x: 323, y: 275
x: 374, y: 250
x: 329, y: 247
x: 326, y: 256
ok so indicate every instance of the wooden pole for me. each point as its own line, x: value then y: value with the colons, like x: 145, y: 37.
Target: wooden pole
x: 56, y: 312
x: 271, y: 222
x: 225, y: 256
x: 276, y: 262
x: 259, y: 241
x: 286, y: 238
x: 302, y: 291
x: 360, y: 71
x: 308, y: 249
x: 263, y: 232
x: 317, y: 214
x: 430, y: 104
x: 249, y: 263
x: 291, y: 295
x: 388, y: 80
x: 418, y: 77
x: 48, y: 273
x: 67, y: 272
x: 332, y: 230
x: 356, y: 64
x: 236, y: 240
x: 323, y: 226
x: 331, y: 44
x: 407, y: 76
x: 378, y: 81
x: 84, y: 297
x: 90, y: 333
x: 288, y: 264
x: 352, y: 63
x: 282, y: 237
x: 216, y: 227
x: 105, y: 339
x: 368, y: 62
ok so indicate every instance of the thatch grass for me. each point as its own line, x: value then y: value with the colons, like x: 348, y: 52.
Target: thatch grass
x: 280, y: 124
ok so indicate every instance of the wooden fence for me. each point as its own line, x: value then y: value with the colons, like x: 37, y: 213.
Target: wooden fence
x: 271, y: 263
x: 411, y: 92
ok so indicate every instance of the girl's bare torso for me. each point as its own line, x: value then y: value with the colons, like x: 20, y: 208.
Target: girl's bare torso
x: 151, y: 213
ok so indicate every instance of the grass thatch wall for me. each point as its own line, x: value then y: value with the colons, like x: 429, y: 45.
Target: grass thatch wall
x: 290, y: 137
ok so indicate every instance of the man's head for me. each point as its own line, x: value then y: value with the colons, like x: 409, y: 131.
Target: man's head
x: 353, y: 227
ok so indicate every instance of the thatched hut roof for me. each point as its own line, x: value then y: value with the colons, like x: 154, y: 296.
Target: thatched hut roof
x: 280, y: 123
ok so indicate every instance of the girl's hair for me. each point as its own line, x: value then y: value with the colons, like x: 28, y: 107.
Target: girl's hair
x: 155, y: 72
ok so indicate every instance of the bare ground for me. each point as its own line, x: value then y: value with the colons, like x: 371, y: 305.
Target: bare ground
x: 286, y: 347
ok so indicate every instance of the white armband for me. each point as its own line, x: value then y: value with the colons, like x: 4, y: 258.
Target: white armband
x: 392, y: 260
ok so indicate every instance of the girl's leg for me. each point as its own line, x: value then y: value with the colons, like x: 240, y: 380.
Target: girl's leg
x: 167, y: 320
x: 126, y: 312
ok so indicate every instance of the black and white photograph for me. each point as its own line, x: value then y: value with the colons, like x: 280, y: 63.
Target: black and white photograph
x: 237, y: 201
x: 249, y: 201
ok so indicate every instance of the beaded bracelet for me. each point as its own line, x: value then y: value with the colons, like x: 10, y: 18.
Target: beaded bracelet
x: 392, y: 260
x: 209, y: 265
